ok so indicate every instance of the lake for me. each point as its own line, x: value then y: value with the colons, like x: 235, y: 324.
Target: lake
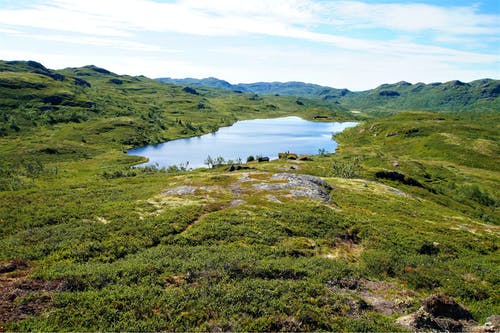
x: 264, y: 137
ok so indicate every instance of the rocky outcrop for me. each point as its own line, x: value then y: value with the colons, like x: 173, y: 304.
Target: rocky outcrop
x: 81, y: 82
x: 190, y: 90
x: 438, y: 312
x: 299, y: 186
x: 181, y: 190
x: 98, y: 69
x: 116, y: 81
x: 388, y: 93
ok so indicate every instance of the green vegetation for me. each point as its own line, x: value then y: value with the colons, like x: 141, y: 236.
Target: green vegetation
x: 99, y: 245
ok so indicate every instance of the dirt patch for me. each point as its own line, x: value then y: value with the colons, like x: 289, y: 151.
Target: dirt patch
x: 21, y: 297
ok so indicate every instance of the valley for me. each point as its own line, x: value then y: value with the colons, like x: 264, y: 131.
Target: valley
x: 405, y: 209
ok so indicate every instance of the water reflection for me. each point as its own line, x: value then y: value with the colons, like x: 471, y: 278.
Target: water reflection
x: 264, y: 137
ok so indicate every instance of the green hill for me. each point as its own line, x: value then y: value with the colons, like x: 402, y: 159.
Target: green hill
x: 449, y: 96
x: 405, y: 209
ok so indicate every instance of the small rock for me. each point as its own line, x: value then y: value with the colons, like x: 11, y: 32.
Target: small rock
x: 237, y: 202
x: 492, y: 325
x: 273, y: 199
x: 407, y: 321
x: 493, y: 322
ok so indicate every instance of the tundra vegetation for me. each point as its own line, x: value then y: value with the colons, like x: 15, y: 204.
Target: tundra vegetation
x: 406, y: 208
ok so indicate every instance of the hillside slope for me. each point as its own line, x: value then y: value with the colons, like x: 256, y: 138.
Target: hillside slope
x: 33, y: 96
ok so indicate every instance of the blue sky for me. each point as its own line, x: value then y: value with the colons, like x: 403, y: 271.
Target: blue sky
x: 344, y: 44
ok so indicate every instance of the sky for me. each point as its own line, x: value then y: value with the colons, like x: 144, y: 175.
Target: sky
x: 356, y: 45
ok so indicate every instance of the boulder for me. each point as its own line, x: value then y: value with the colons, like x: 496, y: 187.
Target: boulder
x: 439, y: 305
x: 438, y: 313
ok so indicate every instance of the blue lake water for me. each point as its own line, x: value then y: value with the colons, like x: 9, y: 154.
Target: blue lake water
x: 264, y: 137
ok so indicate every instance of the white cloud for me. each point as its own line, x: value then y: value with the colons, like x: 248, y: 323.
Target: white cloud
x: 331, y: 56
x: 415, y: 17
x: 292, y: 18
x: 97, y: 41
x: 9, y: 31
x: 119, y: 17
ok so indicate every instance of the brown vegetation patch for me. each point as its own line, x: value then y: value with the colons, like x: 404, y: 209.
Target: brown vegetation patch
x: 21, y: 297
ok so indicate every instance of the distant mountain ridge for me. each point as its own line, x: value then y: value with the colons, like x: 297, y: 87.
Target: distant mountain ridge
x: 455, y: 95
x: 291, y: 88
